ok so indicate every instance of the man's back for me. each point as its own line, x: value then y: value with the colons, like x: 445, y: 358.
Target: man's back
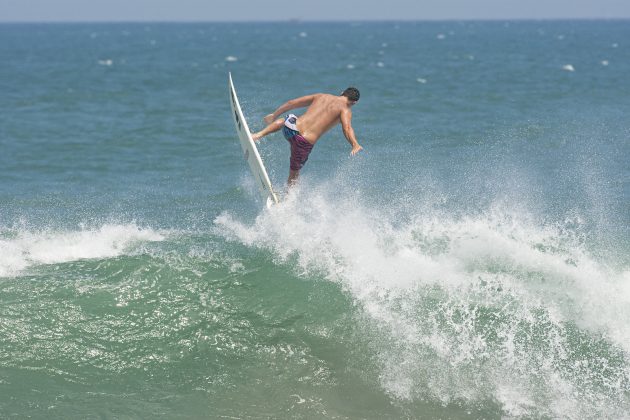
x: 322, y: 114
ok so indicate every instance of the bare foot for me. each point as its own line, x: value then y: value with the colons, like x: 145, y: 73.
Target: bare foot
x: 256, y: 136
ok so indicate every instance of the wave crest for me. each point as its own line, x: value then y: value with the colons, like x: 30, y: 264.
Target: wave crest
x: 21, y: 249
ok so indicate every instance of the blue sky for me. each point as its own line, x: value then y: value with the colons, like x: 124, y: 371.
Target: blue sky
x: 231, y: 10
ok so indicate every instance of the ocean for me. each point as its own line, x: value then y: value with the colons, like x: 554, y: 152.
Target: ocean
x: 472, y: 262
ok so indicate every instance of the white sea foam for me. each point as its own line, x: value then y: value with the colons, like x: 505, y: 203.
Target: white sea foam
x: 231, y: 58
x: 25, y: 248
x: 568, y: 67
x: 491, y: 306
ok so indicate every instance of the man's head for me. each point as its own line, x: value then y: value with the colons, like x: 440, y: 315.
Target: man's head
x: 352, y: 94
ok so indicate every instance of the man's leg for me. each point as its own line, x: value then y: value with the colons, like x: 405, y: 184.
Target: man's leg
x: 271, y: 128
x: 293, y: 177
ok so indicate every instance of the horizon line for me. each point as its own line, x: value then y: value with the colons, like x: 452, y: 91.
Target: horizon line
x: 298, y: 20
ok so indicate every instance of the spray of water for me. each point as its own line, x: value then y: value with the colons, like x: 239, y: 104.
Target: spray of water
x: 491, y: 307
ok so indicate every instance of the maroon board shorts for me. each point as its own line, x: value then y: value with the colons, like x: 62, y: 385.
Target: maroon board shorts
x: 300, y: 147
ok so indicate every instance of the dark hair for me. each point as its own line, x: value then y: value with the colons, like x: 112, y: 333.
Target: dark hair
x: 352, y: 93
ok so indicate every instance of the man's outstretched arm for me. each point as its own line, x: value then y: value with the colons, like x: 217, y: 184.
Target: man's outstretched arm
x: 289, y: 105
x: 348, y: 131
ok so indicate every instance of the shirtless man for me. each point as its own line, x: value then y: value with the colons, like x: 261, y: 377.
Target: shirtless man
x: 324, y: 111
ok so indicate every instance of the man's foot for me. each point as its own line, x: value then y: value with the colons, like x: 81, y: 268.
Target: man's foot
x: 256, y: 136
x: 293, y: 177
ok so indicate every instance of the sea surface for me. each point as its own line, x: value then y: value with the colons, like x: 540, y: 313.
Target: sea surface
x: 473, y: 262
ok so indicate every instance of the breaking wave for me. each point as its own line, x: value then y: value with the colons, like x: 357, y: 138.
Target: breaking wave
x: 486, y: 308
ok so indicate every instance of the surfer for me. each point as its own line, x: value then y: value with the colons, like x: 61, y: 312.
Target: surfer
x: 324, y: 112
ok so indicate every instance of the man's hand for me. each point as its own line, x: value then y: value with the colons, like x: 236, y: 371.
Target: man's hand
x: 269, y: 119
x: 356, y: 149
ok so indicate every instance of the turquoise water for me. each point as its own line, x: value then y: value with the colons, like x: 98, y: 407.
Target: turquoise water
x: 472, y: 262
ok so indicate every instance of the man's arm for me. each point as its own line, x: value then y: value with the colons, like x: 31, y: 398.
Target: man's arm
x: 289, y: 105
x: 348, y: 131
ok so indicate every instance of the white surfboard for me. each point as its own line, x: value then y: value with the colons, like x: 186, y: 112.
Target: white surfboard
x: 249, y: 149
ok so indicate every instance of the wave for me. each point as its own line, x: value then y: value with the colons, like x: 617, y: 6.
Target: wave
x: 470, y: 309
x: 21, y: 249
